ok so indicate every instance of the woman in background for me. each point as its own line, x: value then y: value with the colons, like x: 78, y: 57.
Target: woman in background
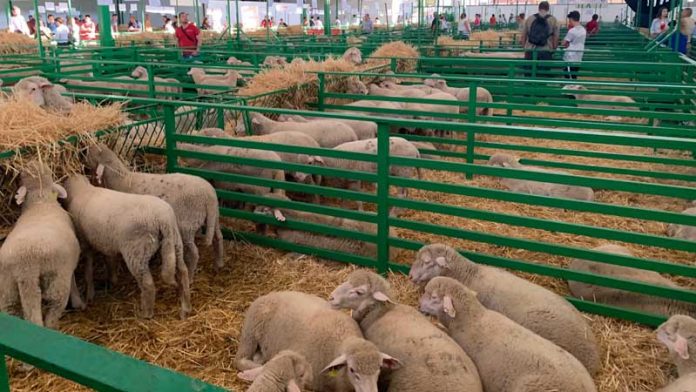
x: 660, y: 23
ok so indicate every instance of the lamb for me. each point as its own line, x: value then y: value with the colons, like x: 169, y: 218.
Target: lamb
x: 683, y: 231
x: 193, y: 199
x: 397, y: 147
x: 274, y: 61
x: 168, y: 91
x: 287, y: 371
x: 678, y: 334
x: 330, y: 341
x: 462, y: 94
x: 135, y: 227
x: 431, y: 360
x: 235, y: 61
x: 626, y: 299
x: 363, y: 129
x: 110, y: 87
x: 229, y: 80
x: 600, y: 98
x: 39, y: 256
x: 43, y: 93
x: 397, y: 92
x: 353, y: 55
x: 536, y: 187
x: 504, y: 55
x: 392, y: 85
x: 532, y: 306
x: 328, y: 133
x: 355, y: 86
x: 508, y: 356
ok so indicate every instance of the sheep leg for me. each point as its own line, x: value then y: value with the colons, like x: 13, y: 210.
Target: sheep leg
x: 112, y: 269
x: 356, y: 186
x: 9, y: 296
x: 141, y: 272
x: 30, y: 297
x: 219, y: 245
x: 248, y: 348
x: 57, y: 295
x: 184, y: 289
x: 89, y: 275
x: 191, y: 256
x: 75, y: 297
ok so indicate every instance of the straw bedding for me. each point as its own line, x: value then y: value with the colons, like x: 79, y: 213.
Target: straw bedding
x: 406, y: 54
x: 13, y: 43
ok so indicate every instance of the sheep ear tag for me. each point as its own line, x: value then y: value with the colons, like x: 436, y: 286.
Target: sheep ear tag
x: 449, y: 307
x: 100, y: 173
x: 381, y: 297
x: 62, y: 193
x: 332, y: 369
x: 293, y: 387
x: 681, y: 347
x: 20, y: 195
x: 251, y: 374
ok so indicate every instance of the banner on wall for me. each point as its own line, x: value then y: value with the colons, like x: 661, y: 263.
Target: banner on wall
x: 155, y: 3
x: 133, y: 8
x: 102, y: 2
x: 50, y: 6
x: 314, y: 4
x: 250, y: 15
x: 182, y: 3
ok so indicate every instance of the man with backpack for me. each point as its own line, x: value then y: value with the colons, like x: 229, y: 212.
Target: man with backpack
x: 541, y: 33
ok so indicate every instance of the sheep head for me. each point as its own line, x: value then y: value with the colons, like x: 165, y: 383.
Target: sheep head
x: 353, y: 55
x: 434, y: 82
x: 139, y: 73
x: 99, y: 157
x: 362, y: 362
x: 287, y: 367
x: 362, y: 289
x: 37, y: 184
x: 431, y: 261
x: 679, y: 335
x: 355, y: 86
x: 233, y: 60
x: 503, y: 160
x: 443, y: 296
x: 33, y: 88
x: 195, y: 71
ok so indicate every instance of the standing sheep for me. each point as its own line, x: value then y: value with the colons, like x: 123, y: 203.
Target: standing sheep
x: 683, y: 231
x: 462, y: 94
x: 39, y: 256
x: 431, y: 360
x: 363, y: 129
x: 353, y: 55
x: 43, y: 93
x: 509, y: 357
x: 626, y: 299
x: 193, y: 199
x: 330, y: 341
x: 600, y: 98
x: 287, y: 371
x: 678, y: 334
x: 229, y: 80
x: 169, y: 91
x: 135, y: 227
x: 328, y: 133
x: 274, y: 62
x: 532, y: 306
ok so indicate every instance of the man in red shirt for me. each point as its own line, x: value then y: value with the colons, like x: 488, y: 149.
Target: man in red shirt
x: 592, y: 27
x: 187, y: 34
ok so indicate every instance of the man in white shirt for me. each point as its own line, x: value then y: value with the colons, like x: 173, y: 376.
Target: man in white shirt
x: 17, y: 22
x: 574, y: 44
x: 62, y: 35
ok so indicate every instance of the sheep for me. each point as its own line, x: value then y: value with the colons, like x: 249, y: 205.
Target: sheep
x: 123, y: 87
x: 678, y: 334
x: 397, y: 147
x: 287, y: 371
x: 135, y: 227
x: 535, y: 187
x: 685, y: 383
x: 627, y: 299
x: 240, y: 169
x: 39, y: 255
x: 363, y: 129
x: 353, y: 55
x: 229, y: 80
x: 274, y: 61
x: 330, y: 341
x: 168, y: 91
x: 328, y: 133
x: 683, y: 231
x: 355, y: 86
x: 235, y: 61
x: 431, y: 360
x: 504, y: 55
x: 392, y: 85
x: 462, y: 94
x: 425, y: 146
x: 402, y: 92
x: 193, y: 199
x: 532, y: 306
x: 43, y: 93
x: 600, y: 98
x: 508, y: 356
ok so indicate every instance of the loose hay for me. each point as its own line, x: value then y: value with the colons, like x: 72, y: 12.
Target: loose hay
x: 13, y: 43
x: 406, y: 54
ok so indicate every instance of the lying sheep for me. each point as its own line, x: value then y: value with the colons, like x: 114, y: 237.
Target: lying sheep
x: 193, y: 199
x: 425, y: 146
x: 397, y: 92
x: 168, y: 91
x: 392, y: 85
x: 235, y: 61
x: 353, y: 55
x: 229, y: 80
x: 508, y: 356
x: 534, y: 307
x: 397, y: 147
x: 462, y: 95
x: 678, y: 334
x: 111, y: 87
x: 328, y: 133
x: 135, y: 227
x: 683, y: 231
x: 536, y: 187
x: 600, y: 98
x: 363, y: 129
x: 626, y: 299
x: 330, y: 341
x: 274, y: 61
x: 43, y: 93
x: 431, y: 360
x: 503, y: 55
x: 287, y: 371
x: 355, y: 86
x: 39, y: 256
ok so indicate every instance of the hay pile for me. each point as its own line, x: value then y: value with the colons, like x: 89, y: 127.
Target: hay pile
x: 407, y: 54
x: 291, y: 30
x: 158, y: 40
x: 13, y: 43
x: 208, y: 36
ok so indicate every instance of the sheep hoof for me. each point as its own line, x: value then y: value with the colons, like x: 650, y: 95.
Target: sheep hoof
x: 183, y: 314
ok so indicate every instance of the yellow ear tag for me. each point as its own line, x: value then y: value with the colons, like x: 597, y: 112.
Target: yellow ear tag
x: 332, y: 373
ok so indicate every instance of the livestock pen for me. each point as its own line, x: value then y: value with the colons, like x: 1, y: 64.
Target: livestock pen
x: 639, y: 163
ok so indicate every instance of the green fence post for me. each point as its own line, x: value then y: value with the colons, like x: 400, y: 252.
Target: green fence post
x: 220, y: 118
x: 393, y: 64
x: 320, y: 94
x: 4, y: 376
x: 470, y: 135
x: 151, y: 81
x: 105, y: 37
x: 169, y: 135
x: 327, y: 18
x: 382, y: 198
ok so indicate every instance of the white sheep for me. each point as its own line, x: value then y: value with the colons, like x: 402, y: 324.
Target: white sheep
x: 193, y: 199
x: 355, y: 86
x: 353, y: 55
x: 329, y: 340
x: 274, y: 61
x: 235, y: 61
x: 685, y: 383
x: 39, y: 256
x: 678, y: 334
x: 363, y: 129
x: 508, y: 356
x: 504, y: 55
x: 169, y: 91
x: 462, y: 94
x: 536, y: 187
x: 43, y: 93
x: 431, y: 360
x: 532, y: 306
x: 111, y: 87
x: 683, y: 231
x: 600, y: 98
x: 393, y: 85
x: 425, y: 146
x: 328, y: 133
x: 229, y: 80
x: 626, y: 299
x: 375, y: 89
x: 135, y: 227
x: 287, y: 371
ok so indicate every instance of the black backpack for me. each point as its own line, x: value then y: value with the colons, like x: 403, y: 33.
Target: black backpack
x: 540, y: 31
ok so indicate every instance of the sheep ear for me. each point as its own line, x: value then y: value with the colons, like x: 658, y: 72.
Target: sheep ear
x: 278, y: 215
x: 389, y: 362
x: 441, y: 261
x: 20, y: 195
x: 255, y: 121
x: 681, y: 347
x: 62, y: 193
x: 381, y: 297
x: 46, y: 86
x: 100, y: 173
x: 449, y: 306
x: 293, y: 387
x: 316, y: 159
x: 336, y: 364
x: 251, y: 374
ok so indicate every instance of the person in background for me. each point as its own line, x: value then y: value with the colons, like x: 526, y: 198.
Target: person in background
x: 436, y: 23
x: 74, y: 31
x: 17, y: 22
x: 169, y: 25
x: 133, y: 24
x: 541, y: 33
x: 273, y: 22
x: 444, y: 24
x: 356, y: 20
x: 686, y: 27
x: 463, y: 27
x: 492, y: 21
x: 511, y: 18
x: 148, y: 24
x: 311, y: 22
x: 574, y: 43
x: 205, y: 25
x: 281, y: 23
x: 31, y: 23
x: 367, y: 26
x: 265, y: 22
x: 592, y: 27
x: 616, y: 19
x: 114, y: 24
x: 88, y: 30
x: 62, y: 34
x: 175, y: 22
x: 477, y: 20
x: 659, y: 24
x: 318, y: 24
x: 377, y: 21
x: 502, y: 19
x: 305, y: 22
x: 337, y: 22
x: 51, y: 23
x: 187, y: 36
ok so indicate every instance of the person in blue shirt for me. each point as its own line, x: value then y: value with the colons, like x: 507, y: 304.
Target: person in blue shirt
x: 51, y: 23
